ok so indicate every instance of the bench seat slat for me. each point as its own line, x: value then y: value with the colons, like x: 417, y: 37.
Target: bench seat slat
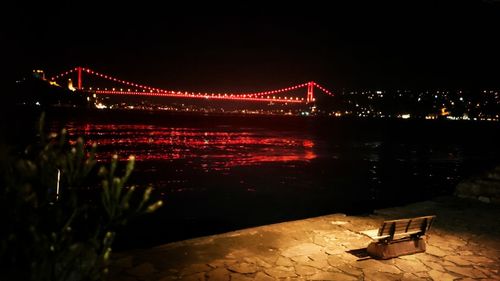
x: 373, y: 234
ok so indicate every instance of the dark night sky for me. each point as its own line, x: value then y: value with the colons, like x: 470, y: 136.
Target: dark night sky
x: 256, y: 45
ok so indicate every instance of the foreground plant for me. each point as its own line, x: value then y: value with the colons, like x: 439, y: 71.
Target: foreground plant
x: 55, y: 224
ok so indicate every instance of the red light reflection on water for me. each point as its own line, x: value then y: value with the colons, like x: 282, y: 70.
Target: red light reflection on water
x: 214, y: 149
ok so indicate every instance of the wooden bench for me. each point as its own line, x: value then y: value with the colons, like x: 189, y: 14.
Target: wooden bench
x: 399, y: 237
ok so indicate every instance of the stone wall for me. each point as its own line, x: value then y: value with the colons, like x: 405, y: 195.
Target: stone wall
x: 485, y: 188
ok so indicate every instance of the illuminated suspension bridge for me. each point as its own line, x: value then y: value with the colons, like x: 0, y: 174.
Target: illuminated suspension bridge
x: 134, y: 89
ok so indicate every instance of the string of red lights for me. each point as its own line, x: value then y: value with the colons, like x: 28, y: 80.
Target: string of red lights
x: 208, y: 96
x: 324, y: 90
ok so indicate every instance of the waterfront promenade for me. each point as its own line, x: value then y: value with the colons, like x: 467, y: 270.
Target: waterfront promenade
x: 463, y: 244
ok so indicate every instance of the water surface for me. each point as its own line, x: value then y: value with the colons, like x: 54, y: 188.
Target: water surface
x: 224, y: 174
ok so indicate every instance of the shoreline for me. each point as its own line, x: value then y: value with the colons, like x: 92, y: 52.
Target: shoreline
x: 84, y: 111
x: 463, y: 244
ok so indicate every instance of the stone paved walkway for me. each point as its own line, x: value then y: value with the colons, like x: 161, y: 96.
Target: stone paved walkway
x: 464, y: 244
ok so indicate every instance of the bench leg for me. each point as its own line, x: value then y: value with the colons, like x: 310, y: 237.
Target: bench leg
x: 381, y: 250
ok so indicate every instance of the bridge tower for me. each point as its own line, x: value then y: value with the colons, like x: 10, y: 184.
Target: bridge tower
x: 79, y: 70
x: 310, y: 94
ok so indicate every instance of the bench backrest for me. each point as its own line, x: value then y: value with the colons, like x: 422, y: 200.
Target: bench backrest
x: 415, y: 226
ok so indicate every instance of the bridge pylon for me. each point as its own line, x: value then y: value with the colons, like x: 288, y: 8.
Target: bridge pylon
x: 79, y: 70
x: 310, y: 92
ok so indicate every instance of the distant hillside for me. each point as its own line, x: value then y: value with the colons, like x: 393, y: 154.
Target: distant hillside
x: 37, y: 92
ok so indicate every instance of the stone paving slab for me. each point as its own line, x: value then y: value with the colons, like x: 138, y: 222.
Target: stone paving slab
x: 463, y: 244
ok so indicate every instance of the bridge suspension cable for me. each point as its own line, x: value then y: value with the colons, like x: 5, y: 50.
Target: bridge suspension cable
x: 152, y: 91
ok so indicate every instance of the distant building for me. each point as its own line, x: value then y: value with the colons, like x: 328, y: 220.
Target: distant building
x: 70, y: 85
x: 39, y: 74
